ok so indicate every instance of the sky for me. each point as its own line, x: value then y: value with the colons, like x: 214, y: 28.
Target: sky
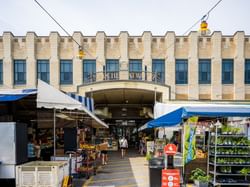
x: 114, y: 16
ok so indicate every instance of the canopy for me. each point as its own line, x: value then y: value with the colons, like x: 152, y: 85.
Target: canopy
x: 50, y: 97
x: 175, y: 117
x: 16, y: 94
x: 86, y: 101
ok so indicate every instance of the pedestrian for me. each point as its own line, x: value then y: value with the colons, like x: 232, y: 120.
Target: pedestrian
x: 123, y: 146
x: 104, y: 152
x: 31, y: 149
x: 38, y: 149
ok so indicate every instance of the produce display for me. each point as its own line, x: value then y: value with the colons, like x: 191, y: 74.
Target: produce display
x: 229, y: 156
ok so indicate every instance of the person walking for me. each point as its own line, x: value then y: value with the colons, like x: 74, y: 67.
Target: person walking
x: 123, y: 146
x: 104, y: 152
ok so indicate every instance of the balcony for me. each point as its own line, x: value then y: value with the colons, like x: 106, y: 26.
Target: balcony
x: 152, y: 77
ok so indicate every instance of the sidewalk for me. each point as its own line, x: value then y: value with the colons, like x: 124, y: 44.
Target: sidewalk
x: 132, y: 171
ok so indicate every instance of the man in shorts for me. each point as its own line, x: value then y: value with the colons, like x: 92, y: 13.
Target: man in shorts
x: 123, y: 146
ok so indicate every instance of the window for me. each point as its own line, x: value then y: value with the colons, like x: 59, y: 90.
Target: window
x: 66, y: 75
x: 19, y: 71
x: 204, y: 71
x: 227, y: 71
x: 158, y: 71
x: 1, y: 72
x: 135, y: 69
x: 43, y: 70
x: 181, y: 72
x: 247, y: 71
x: 89, y: 71
x: 112, y: 70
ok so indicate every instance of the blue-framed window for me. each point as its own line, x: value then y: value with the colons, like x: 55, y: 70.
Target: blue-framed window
x: 19, y: 72
x: 43, y: 70
x: 181, y: 71
x: 112, y: 69
x: 89, y: 71
x: 247, y: 71
x: 135, y: 69
x: 66, y: 72
x: 158, y: 70
x: 1, y: 72
x: 227, y: 71
x: 204, y: 71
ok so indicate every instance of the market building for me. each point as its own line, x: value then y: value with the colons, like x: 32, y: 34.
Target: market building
x: 129, y: 78
x: 126, y: 74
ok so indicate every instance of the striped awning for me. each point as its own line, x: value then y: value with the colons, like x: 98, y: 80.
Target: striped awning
x: 86, y: 101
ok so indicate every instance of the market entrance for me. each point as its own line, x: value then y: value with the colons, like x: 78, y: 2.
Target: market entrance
x: 125, y: 110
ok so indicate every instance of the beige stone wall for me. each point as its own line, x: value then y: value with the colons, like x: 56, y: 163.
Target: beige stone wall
x: 124, y: 47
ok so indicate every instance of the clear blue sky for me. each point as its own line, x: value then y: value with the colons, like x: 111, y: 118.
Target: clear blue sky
x: 113, y: 16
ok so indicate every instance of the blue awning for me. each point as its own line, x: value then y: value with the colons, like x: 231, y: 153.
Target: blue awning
x: 176, y: 117
x: 86, y: 101
x: 14, y: 95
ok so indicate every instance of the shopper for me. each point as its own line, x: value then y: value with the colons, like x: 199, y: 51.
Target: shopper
x: 104, y: 152
x: 38, y: 149
x: 123, y: 146
x: 31, y: 149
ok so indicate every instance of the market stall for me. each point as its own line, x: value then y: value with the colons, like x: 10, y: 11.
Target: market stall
x: 208, y: 115
x: 58, y: 101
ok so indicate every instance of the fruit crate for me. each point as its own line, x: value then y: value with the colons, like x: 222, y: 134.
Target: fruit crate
x: 41, y: 174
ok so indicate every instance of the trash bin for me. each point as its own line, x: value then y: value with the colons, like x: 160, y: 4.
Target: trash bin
x: 155, y: 167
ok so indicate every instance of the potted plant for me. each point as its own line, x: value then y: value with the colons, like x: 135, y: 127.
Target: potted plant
x: 200, y: 177
x: 245, y: 172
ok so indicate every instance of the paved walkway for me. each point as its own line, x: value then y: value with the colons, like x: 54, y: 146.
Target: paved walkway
x: 132, y: 171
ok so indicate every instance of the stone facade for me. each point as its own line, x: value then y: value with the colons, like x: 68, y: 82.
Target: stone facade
x: 124, y: 47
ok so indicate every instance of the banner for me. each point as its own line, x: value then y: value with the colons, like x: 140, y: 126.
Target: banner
x: 190, y: 140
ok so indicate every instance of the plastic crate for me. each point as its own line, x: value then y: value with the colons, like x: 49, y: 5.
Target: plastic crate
x: 41, y: 174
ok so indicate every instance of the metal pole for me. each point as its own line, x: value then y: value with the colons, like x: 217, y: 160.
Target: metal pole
x: 54, y: 133
x: 155, y: 95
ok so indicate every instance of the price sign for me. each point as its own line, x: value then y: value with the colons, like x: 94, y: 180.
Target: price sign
x: 170, y: 178
x: 170, y: 149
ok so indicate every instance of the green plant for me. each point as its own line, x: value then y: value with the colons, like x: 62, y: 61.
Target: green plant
x: 200, y: 175
x: 204, y: 179
x: 245, y: 172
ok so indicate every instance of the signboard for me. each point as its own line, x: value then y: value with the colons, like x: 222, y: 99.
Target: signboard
x: 150, y: 146
x: 170, y: 149
x: 170, y: 178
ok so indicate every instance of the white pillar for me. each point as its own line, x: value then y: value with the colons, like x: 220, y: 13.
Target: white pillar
x: 54, y: 39
x: 216, y: 84
x: 193, y: 86
x: 31, y: 65
x: 170, y: 62
x: 239, y: 66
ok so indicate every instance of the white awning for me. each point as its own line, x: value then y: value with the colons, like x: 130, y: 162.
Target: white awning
x: 50, y: 97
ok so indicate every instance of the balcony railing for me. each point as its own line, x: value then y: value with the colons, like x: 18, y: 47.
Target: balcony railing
x: 154, y: 77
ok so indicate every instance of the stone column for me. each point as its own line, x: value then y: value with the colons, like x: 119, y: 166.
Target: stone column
x: 239, y: 66
x: 31, y: 65
x: 124, y: 59
x: 100, y: 55
x: 216, y: 84
x: 54, y: 39
x: 193, y: 70
x: 170, y: 63
x: 77, y: 62
x: 147, y: 59
x: 8, y: 64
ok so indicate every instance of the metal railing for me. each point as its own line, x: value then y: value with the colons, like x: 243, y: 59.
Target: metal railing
x: 124, y: 75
